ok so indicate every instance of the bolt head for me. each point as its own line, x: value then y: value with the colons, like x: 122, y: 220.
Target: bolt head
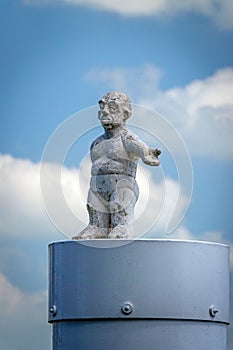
x: 213, y: 311
x: 127, y: 308
x: 53, y: 310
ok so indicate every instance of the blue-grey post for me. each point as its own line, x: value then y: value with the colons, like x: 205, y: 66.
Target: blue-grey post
x: 143, y: 295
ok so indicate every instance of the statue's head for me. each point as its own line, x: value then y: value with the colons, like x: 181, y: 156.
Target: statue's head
x: 115, y: 108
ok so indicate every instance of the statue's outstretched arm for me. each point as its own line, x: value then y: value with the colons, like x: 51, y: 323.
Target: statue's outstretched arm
x: 147, y: 154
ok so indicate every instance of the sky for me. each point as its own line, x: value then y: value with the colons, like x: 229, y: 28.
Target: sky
x: 58, y: 58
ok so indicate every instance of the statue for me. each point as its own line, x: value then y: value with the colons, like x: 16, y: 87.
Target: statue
x: 113, y: 189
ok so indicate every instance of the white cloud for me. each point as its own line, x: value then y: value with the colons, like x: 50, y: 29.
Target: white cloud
x: 13, y: 301
x: 22, y: 213
x: 220, y: 11
x: 159, y: 200
x: 136, y: 81
x: 21, y: 210
x: 23, y: 318
x: 202, y: 111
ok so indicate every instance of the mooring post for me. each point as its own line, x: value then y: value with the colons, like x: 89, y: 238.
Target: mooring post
x: 139, y: 295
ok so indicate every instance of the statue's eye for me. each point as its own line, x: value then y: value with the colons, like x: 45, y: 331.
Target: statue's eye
x: 112, y: 107
x: 101, y: 105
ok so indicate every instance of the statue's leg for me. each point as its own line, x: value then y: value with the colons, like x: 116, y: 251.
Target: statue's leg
x: 99, y: 220
x: 122, y: 205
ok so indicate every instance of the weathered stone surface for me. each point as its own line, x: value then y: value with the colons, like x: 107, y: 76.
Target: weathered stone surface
x: 113, y: 189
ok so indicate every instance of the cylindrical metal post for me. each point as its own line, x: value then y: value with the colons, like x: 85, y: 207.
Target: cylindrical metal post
x: 146, y: 294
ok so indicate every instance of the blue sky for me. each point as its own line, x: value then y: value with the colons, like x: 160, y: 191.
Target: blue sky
x: 59, y: 57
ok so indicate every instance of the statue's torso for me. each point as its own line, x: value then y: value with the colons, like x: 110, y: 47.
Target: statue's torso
x: 109, y: 156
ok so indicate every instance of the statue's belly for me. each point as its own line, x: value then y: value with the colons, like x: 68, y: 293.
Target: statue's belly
x: 106, y: 185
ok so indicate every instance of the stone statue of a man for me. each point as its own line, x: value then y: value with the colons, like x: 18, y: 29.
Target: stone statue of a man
x: 115, y: 154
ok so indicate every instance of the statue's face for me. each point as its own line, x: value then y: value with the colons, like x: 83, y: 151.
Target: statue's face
x: 111, y: 114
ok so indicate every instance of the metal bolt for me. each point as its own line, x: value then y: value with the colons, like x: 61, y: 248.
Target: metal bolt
x: 213, y: 311
x: 53, y: 310
x: 127, y: 308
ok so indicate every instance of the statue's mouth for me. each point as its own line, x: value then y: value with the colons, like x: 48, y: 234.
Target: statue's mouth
x: 107, y: 125
x: 106, y: 121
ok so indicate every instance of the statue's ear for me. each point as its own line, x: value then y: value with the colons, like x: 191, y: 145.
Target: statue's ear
x: 126, y: 115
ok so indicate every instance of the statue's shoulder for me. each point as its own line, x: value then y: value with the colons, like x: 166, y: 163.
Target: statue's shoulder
x: 129, y: 137
x: 97, y: 141
x: 134, y: 145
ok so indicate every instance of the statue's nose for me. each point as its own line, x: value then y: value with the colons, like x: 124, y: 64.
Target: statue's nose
x: 105, y: 109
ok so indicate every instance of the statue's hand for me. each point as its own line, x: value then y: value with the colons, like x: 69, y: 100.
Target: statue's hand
x: 152, y: 157
x: 156, y: 152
